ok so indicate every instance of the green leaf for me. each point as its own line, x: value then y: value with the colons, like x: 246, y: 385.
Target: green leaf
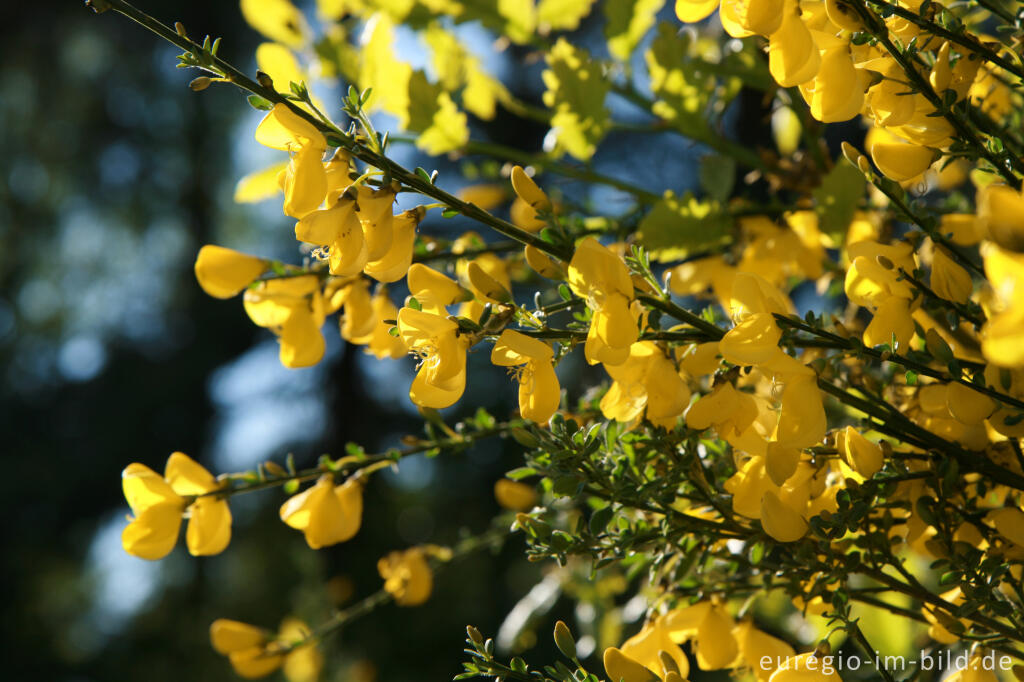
x: 257, y: 102
x: 682, y: 92
x: 576, y: 90
x: 627, y: 22
x: 837, y: 199
x: 562, y: 15
x: 432, y: 113
x: 677, y: 226
x: 717, y: 174
x: 515, y: 19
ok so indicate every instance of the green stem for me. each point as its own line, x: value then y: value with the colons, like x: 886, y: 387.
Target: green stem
x: 361, y: 152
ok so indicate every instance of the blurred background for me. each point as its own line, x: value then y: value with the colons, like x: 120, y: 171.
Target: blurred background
x: 113, y: 174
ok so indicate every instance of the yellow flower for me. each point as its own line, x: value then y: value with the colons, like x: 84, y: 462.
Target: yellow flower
x: 793, y: 56
x: 780, y: 520
x: 254, y: 652
x: 728, y: 410
x: 326, y: 513
x: 755, y: 645
x: 710, y: 626
x: 539, y: 392
x: 223, y: 273
x: 622, y: 668
x: 487, y: 196
x: 647, y: 646
x: 407, y: 576
x: 293, y: 308
x: 359, y: 321
x: 158, y: 504
x: 486, y: 276
x: 762, y: 17
x: 1001, y: 214
x: 514, y: 495
x: 949, y: 280
x: 802, y: 422
x: 837, y: 91
x: 337, y: 228
x: 305, y: 180
x: 901, y: 161
x: 376, y: 218
x: 251, y: 650
x: 1009, y: 522
x: 752, y: 341
x: 302, y: 663
x: 1002, y: 338
x: 891, y: 319
x: 862, y: 455
x: 648, y: 380
x: 441, y: 378
x: 433, y: 290
x: 394, y: 264
x: 602, y: 279
x: 382, y: 344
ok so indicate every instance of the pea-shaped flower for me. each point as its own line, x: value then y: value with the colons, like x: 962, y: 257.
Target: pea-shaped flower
x: 407, y: 576
x: 223, y: 273
x: 539, y: 392
x: 305, y: 180
x: 435, y: 340
x: 326, y: 513
x: 159, y: 502
x: 602, y: 279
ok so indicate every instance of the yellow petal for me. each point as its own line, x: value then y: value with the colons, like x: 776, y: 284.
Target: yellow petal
x: 802, y: 422
x: 891, y: 318
x: 209, y: 528
x: 231, y: 635
x: 779, y: 520
x: 949, y: 280
x: 715, y: 646
x: 394, y: 264
x: 302, y: 344
x: 305, y: 182
x: 755, y: 645
x: 407, y: 576
x: 144, y: 488
x: 762, y: 17
x: 968, y: 406
x: 861, y: 454
x: 154, y: 532
x: 793, y: 57
x: 539, y: 392
x: 781, y: 462
x: 324, y: 227
x: 514, y: 348
x: 187, y: 476
x: 432, y: 289
x: 1001, y: 212
x: 753, y: 340
x: 375, y: 215
x: 260, y: 185
x: 1009, y: 522
x: 514, y: 495
x: 223, y: 273
x: 278, y: 20
x: 286, y: 130
x: 254, y: 663
x: 692, y: 11
x: 621, y: 668
x: 901, y: 162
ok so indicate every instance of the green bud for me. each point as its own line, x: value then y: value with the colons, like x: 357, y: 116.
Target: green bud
x: 200, y: 83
